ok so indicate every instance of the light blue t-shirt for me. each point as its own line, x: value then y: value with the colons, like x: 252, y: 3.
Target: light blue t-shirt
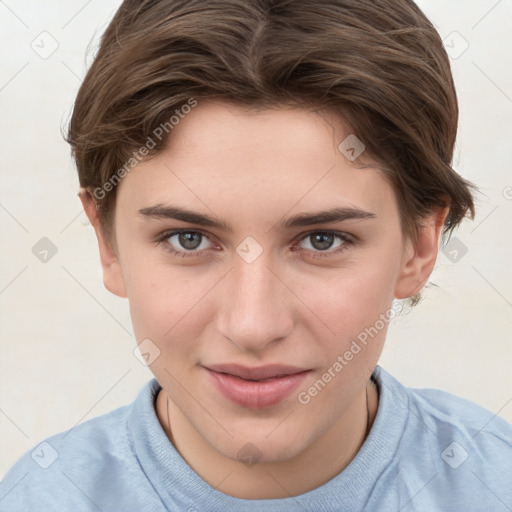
x: 427, y: 451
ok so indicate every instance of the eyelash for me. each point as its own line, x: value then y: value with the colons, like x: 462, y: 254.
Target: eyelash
x: 347, y: 243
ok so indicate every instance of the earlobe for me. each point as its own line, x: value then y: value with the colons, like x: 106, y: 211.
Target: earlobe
x: 419, y: 259
x: 112, y: 272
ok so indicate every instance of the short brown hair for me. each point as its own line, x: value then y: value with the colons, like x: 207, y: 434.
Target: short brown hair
x: 378, y: 63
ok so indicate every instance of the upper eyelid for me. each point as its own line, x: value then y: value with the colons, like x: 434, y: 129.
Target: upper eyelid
x: 172, y: 232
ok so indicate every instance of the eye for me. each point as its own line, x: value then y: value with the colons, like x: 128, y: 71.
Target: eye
x: 322, y: 241
x: 185, y: 243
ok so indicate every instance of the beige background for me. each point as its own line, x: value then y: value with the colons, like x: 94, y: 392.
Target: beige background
x: 67, y: 343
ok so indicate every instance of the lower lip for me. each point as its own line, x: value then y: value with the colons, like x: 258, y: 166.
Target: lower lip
x: 256, y: 394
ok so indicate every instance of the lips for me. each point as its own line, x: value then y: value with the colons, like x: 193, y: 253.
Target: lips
x: 259, y: 387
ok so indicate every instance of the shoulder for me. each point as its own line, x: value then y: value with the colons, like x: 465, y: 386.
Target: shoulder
x: 74, y: 467
x: 444, y: 414
x: 452, y: 450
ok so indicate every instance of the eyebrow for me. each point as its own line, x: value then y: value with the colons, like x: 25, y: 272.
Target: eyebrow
x: 333, y: 215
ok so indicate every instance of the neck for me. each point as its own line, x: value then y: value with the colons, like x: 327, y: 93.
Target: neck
x: 311, y: 468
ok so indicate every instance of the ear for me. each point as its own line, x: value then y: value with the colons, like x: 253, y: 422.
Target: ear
x: 419, y: 259
x: 112, y: 272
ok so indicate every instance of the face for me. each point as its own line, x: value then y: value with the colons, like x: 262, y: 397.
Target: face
x: 258, y: 286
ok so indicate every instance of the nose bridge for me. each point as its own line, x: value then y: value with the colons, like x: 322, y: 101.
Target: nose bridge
x: 255, y: 311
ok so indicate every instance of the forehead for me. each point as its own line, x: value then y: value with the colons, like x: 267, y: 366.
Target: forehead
x: 243, y: 162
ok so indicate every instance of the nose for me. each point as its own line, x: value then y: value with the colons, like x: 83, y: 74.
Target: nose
x: 255, y: 309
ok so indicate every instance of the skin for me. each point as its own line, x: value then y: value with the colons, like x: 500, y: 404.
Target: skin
x: 287, y: 306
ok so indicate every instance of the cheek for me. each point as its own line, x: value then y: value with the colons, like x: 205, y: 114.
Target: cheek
x: 165, y: 304
x: 161, y: 311
x: 356, y: 306
x: 349, y: 299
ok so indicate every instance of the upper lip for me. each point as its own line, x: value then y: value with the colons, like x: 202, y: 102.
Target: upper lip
x: 256, y: 373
